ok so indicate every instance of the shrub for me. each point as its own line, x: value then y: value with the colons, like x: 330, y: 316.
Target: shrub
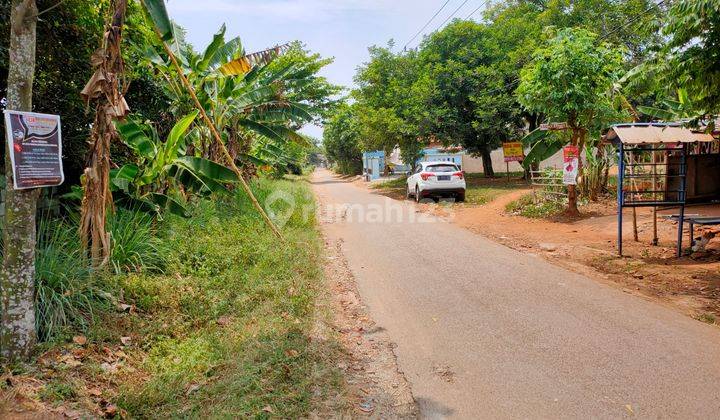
x: 135, y: 247
x: 65, y: 291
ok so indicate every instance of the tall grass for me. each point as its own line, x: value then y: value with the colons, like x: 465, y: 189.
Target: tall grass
x: 68, y: 293
x: 135, y: 245
x: 65, y: 291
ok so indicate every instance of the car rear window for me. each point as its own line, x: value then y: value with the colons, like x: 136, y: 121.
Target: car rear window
x: 441, y: 168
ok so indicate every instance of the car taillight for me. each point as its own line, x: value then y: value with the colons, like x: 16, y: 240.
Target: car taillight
x: 460, y: 174
x: 425, y: 176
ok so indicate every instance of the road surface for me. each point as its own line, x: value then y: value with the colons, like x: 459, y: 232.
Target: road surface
x: 483, y: 331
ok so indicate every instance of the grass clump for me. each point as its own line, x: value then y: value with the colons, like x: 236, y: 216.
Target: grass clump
x: 228, y: 323
x: 535, y: 207
x: 391, y: 184
x: 68, y: 294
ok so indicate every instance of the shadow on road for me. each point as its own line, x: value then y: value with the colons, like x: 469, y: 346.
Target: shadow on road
x: 431, y: 409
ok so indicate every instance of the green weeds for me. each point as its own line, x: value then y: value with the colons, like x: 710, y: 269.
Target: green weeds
x: 534, y: 207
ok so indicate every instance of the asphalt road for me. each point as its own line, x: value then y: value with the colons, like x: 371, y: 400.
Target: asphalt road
x: 484, y: 331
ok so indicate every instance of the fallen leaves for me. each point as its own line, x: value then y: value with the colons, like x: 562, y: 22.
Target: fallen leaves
x: 80, y: 340
x: 126, y: 341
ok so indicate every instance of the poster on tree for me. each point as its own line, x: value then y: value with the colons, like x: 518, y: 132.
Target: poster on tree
x: 571, y: 156
x: 35, y: 145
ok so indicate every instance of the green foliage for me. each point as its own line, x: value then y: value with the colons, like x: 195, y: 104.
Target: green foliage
x: 694, y: 37
x: 684, y: 108
x: 222, y: 264
x: 67, y: 36
x: 157, y: 12
x: 470, y: 103
x: 594, y: 180
x: 162, y: 173
x: 57, y: 391
x: 66, y: 295
x: 257, y: 113
x: 389, y: 108
x: 571, y: 79
x: 135, y: 246
x: 306, y: 86
x: 536, y: 207
x: 341, y: 140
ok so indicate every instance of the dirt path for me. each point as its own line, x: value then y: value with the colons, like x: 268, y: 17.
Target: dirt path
x: 588, y: 246
x: 378, y: 389
x: 483, y: 330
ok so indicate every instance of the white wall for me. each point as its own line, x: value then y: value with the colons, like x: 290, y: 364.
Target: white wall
x: 474, y: 164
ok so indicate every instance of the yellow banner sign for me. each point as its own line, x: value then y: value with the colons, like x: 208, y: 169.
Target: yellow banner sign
x: 513, y: 151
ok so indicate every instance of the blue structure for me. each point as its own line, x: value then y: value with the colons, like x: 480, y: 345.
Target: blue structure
x: 373, y: 164
x: 437, y: 155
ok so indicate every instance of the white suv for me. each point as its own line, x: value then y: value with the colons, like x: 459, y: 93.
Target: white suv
x: 436, y: 179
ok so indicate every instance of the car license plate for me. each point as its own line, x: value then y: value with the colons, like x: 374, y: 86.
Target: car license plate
x: 443, y: 177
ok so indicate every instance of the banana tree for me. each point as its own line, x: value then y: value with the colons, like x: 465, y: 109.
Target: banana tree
x: 682, y: 109
x: 241, y: 94
x: 163, y: 175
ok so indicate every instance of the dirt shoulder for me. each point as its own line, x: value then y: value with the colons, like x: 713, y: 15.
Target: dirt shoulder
x: 375, y: 386
x: 588, y: 246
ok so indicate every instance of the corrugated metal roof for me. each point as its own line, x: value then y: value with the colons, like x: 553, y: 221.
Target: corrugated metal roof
x: 653, y: 133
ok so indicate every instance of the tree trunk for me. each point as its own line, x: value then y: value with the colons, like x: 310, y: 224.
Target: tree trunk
x: 572, y: 209
x: 487, y: 163
x: 17, y: 282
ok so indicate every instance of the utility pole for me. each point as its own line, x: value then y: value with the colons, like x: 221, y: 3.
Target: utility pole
x: 17, y: 279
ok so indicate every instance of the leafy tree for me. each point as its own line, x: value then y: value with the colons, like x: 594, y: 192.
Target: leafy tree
x: 264, y: 104
x: 341, y: 140
x: 469, y: 103
x: 571, y: 80
x: 390, y: 102
x: 693, y: 29
x: 308, y: 87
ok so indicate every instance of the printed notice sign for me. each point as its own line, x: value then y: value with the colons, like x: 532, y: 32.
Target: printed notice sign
x: 513, y: 152
x: 571, y: 161
x: 35, y: 145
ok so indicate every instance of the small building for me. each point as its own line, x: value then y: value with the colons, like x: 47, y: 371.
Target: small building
x: 373, y: 164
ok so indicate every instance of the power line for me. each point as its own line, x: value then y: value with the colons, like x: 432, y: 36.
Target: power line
x: 427, y: 23
x: 478, y: 8
x: 452, y: 14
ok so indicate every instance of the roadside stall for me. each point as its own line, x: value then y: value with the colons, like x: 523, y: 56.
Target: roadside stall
x: 664, y: 165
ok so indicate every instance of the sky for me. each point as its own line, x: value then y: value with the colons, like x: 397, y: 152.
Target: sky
x: 342, y: 29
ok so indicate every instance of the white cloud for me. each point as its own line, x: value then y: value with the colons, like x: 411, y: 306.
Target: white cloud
x: 288, y: 10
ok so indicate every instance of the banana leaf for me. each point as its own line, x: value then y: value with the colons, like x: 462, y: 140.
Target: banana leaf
x: 225, y: 53
x: 176, y: 137
x: 159, y: 16
x: 121, y: 178
x: 534, y: 136
x: 194, y: 181
x: 543, y: 150
x: 246, y: 158
x: 662, y: 114
x: 217, y: 42
x: 133, y: 135
x: 207, y: 168
x: 167, y: 202
x: 275, y: 132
